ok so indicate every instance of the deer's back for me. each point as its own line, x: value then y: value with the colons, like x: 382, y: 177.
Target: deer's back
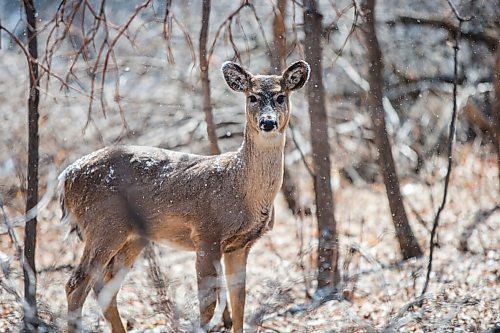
x: 161, y: 194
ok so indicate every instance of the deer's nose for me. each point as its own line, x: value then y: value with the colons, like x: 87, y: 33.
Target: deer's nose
x: 268, y: 123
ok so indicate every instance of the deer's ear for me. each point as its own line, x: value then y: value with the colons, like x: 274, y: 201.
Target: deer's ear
x: 237, y: 78
x: 295, y: 76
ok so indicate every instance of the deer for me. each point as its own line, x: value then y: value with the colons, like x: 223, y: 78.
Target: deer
x: 120, y: 198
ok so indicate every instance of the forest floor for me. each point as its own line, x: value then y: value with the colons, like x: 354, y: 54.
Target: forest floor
x: 378, y: 289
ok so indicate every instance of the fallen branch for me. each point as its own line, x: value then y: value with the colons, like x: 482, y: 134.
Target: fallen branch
x: 480, y: 217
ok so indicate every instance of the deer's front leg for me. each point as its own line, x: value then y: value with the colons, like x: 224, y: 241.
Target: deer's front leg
x: 235, y: 269
x: 207, y: 266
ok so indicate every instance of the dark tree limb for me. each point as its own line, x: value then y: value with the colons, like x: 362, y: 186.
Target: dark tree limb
x: 29, y: 267
x: 451, y: 136
x: 407, y: 241
x: 479, y: 37
x: 327, y: 260
x: 205, y: 81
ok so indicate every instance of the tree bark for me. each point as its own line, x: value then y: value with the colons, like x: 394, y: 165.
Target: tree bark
x: 278, y: 64
x: 407, y: 241
x: 29, y: 268
x: 327, y: 261
x: 496, y: 108
x: 278, y: 53
x: 205, y: 81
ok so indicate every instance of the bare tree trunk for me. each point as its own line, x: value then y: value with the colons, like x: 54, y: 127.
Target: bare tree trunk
x: 205, y: 81
x: 278, y: 52
x: 328, y: 275
x: 496, y: 108
x: 407, y: 241
x: 278, y: 64
x: 29, y: 268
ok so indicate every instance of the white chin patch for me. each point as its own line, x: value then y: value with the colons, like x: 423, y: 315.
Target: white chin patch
x: 271, y: 138
x: 270, y: 133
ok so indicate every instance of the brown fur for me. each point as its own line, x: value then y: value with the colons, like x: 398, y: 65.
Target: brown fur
x: 119, y: 198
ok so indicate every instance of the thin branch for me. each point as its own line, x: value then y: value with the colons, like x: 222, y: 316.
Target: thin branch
x: 167, y: 31
x: 20, y: 221
x: 188, y: 39
x: 351, y: 31
x: 11, y: 231
x: 394, y: 321
x: 451, y: 136
x: 333, y: 25
x: 302, y: 155
x: 457, y: 14
x: 479, y: 217
x: 224, y: 23
x: 261, y: 28
x: 45, y: 69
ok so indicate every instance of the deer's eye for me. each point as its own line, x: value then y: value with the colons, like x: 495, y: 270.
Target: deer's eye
x: 252, y: 99
x: 280, y: 99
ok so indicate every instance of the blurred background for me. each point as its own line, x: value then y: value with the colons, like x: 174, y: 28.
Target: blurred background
x: 128, y: 72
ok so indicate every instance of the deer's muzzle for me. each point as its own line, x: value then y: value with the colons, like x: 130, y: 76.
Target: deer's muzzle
x: 268, y: 122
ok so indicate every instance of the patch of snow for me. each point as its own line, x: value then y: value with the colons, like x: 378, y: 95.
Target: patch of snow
x: 166, y: 169
x: 145, y: 162
x: 79, y: 165
x: 217, y: 165
x: 111, y: 175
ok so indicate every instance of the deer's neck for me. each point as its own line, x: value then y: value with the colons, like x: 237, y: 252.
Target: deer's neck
x: 262, y: 162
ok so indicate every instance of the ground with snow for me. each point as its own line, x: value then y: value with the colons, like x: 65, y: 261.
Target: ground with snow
x: 463, y: 293
x: 162, y: 107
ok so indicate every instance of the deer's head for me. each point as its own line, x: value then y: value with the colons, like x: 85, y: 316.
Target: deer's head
x: 267, y: 96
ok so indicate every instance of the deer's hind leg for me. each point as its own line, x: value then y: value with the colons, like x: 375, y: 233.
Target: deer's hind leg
x: 106, y: 289
x: 95, y: 258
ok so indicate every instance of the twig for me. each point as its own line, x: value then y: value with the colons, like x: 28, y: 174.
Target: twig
x: 164, y: 305
x: 10, y: 230
x: 52, y: 269
x: 333, y: 26
x: 460, y: 18
x: 228, y: 22
x: 351, y: 31
x: 393, y: 323
x: 45, y: 69
x: 261, y: 28
x: 479, y: 217
x: 451, y: 136
x: 167, y: 31
x: 33, y: 212
x: 420, y: 219
x: 309, y: 169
